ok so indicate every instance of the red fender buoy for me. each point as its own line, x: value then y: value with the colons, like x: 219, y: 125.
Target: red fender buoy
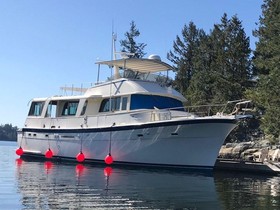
x: 49, y: 154
x: 109, y: 159
x: 80, y: 157
x: 19, y: 151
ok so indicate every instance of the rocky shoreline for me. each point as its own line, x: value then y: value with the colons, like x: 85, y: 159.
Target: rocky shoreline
x: 257, y: 151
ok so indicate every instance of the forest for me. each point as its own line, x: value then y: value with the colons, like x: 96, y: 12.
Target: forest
x: 8, y: 132
x: 219, y: 66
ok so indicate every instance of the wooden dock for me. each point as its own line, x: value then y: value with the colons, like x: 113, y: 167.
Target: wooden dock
x: 246, y: 166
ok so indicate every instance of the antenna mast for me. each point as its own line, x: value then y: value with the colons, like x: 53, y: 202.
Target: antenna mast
x: 116, y: 70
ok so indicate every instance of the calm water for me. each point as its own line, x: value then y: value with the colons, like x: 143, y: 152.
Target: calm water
x: 49, y: 185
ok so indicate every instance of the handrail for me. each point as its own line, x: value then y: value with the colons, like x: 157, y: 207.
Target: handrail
x: 188, y: 109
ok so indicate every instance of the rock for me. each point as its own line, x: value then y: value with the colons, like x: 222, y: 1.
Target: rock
x: 262, y: 143
x: 241, y: 147
x: 251, y: 151
x: 225, y: 152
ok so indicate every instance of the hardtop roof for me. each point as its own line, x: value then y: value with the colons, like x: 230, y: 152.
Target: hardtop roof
x: 143, y: 65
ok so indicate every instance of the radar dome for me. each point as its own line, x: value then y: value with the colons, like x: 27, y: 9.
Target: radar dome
x: 154, y: 57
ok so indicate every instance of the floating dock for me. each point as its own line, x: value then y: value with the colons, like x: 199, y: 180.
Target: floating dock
x: 247, y: 166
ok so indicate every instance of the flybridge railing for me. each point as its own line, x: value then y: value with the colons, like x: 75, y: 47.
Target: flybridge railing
x: 159, y: 77
x: 75, y: 89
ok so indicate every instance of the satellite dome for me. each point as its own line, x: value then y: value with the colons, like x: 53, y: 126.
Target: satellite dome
x: 154, y: 57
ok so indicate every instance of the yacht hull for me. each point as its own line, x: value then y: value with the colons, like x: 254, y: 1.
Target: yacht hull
x: 182, y: 143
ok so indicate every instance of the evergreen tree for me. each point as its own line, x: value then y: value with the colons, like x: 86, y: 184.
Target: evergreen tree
x: 222, y: 64
x: 231, y: 63
x: 8, y: 132
x: 129, y: 44
x: 266, y: 61
x: 183, y: 54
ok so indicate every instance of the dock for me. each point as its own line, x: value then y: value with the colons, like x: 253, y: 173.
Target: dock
x: 247, y: 166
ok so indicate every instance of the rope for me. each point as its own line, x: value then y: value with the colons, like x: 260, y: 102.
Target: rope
x: 110, y: 143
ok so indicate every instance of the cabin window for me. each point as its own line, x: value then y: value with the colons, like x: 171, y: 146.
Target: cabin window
x: 51, y: 111
x: 36, y: 108
x: 124, y: 103
x: 70, y: 108
x: 105, y: 105
x: 139, y: 101
x: 115, y: 104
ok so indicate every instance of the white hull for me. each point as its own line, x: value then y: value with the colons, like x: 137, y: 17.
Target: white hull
x: 189, y: 143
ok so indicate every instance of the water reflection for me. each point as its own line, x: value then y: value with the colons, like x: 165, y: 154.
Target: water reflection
x: 247, y: 190
x: 49, y: 185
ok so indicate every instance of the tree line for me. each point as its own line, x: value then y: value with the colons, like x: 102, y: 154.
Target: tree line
x: 8, y: 132
x: 220, y: 66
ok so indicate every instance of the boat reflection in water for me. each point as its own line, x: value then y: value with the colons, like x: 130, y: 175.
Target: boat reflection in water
x: 247, y: 190
x: 49, y: 185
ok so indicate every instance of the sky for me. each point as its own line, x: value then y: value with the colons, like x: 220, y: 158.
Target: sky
x: 47, y: 44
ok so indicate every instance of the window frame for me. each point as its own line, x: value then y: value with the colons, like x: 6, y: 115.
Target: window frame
x: 36, y: 108
x: 116, y: 103
x: 68, y: 108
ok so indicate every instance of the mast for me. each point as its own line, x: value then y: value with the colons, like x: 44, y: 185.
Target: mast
x: 116, y: 69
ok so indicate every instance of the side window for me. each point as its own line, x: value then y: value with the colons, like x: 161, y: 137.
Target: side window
x: 105, y: 105
x: 70, y: 108
x: 139, y: 101
x: 124, y: 103
x: 115, y: 104
x: 36, y: 108
x: 51, y: 111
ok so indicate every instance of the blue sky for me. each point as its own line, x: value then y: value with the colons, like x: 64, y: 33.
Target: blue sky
x: 45, y: 44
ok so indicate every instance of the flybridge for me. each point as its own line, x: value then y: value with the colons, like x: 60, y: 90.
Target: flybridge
x: 133, y: 68
x: 150, y: 69
x: 144, y: 65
